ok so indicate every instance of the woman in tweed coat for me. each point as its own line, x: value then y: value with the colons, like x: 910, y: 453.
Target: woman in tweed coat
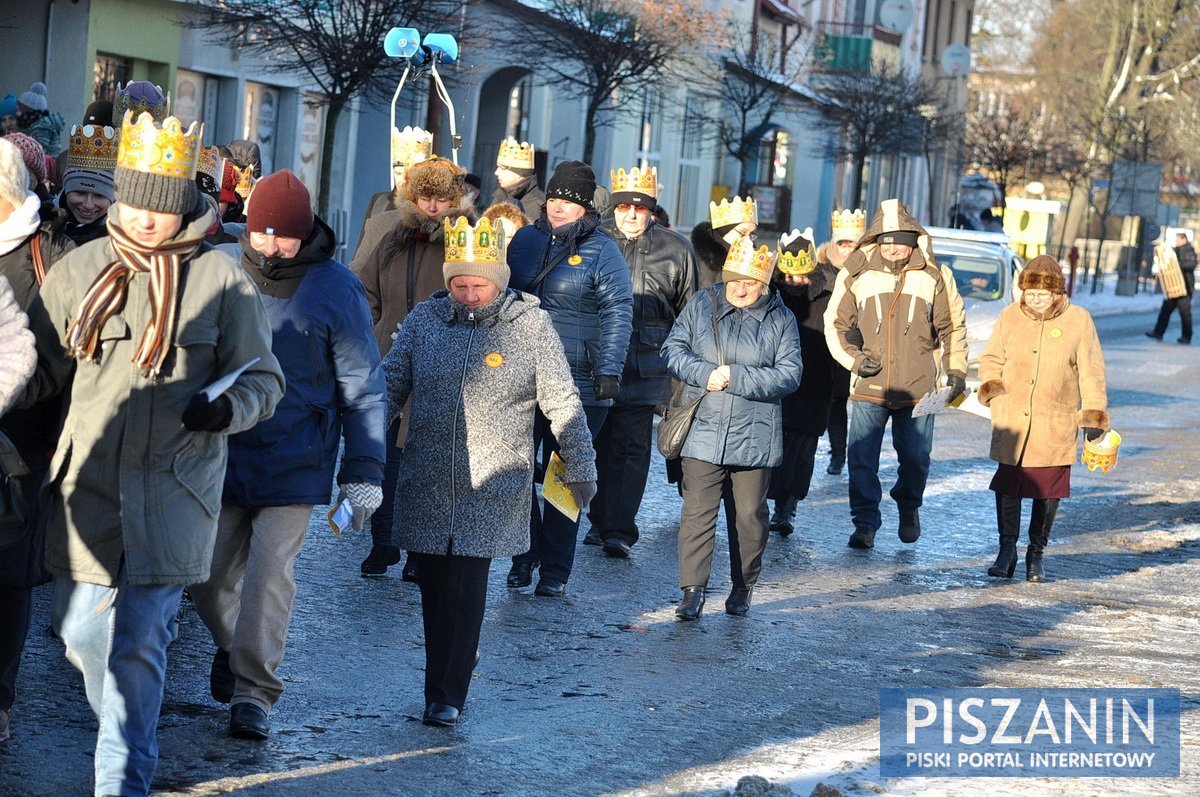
x: 477, y: 360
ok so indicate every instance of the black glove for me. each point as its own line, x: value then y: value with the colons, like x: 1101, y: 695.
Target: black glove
x: 957, y: 384
x: 854, y: 337
x: 1092, y: 433
x: 203, y: 415
x: 869, y: 367
x: 606, y: 387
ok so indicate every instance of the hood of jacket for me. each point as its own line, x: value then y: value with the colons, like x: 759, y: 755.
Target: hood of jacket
x: 508, y: 305
x: 280, y: 277
x: 892, y: 215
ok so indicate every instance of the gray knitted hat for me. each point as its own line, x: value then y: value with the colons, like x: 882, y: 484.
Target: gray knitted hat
x: 156, y: 192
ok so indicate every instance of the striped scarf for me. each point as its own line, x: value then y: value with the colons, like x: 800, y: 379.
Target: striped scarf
x: 106, y: 297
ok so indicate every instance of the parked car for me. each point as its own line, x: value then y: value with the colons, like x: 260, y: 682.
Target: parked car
x: 985, y: 270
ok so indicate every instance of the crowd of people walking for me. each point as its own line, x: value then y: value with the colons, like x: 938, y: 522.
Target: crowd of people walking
x: 202, y: 357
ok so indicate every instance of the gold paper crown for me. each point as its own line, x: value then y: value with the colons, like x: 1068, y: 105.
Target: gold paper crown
x: 125, y: 102
x: 636, y: 181
x: 735, y: 212
x: 482, y: 243
x: 92, y: 147
x: 210, y: 163
x: 849, y: 225
x: 749, y: 262
x: 411, y: 145
x: 168, y: 150
x: 515, y: 154
x: 797, y: 263
x: 245, y: 181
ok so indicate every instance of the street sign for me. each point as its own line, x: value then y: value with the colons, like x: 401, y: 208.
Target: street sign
x: 1133, y: 190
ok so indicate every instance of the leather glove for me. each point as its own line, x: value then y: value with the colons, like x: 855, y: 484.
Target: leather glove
x: 957, y: 384
x: 1092, y: 433
x: 869, y: 367
x: 854, y: 336
x: 364, y: 500
x: 202, y: 415
x: 606, y: 387
x: 583, y: 492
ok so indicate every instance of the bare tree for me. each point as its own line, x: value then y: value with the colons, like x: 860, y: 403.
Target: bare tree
x: 337, y: 43
x: 1004, y: 143
x: 592, y: 48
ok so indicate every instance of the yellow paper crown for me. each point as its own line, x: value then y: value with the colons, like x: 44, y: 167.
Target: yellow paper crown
x: 92, y: 147
x: 849, y: 225
x: 482, y: 243
x: 635, y: 181
x: 125, y: 102
x: 411, y: 145
x: 245, y: 181
x: 749, y: 262
x: 735, y: 212
x: 515, y: 154
x: 801, y: 262
x: 168, y: 150
x: 210, y: 163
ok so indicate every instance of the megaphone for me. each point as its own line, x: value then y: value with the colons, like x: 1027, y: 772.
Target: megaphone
x: 402, y: 42
x: 436, y: 48
x: 442, y: 45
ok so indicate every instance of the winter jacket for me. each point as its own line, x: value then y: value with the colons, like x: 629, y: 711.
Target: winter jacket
x: 527, y: 192
x: 588, y: 294
x: 905, y: 312
x: 1043, y: 379
x: 134, y: 486
x: 18, y: 357
x: 47, y: 131
x: 475, y: 378
x: 807, y: 409
x: 321, y: 335
x: 662, y: 267
x: 711, y: 250
x: 741, y: 426
x: 1187, y: 264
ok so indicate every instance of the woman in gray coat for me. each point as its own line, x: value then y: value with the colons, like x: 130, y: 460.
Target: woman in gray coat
x: 737, y: 345
x: 477, y: 360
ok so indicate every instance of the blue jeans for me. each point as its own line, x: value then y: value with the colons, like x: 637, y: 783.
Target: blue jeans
x: 913, y: 440
x: 117, y: 637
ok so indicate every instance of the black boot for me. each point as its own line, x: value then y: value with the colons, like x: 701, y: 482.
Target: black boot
x: 692, y: 604
x: 785, y: 513
x: 738, y: 602
x: 1008, y: 521
x: 1040, y: 522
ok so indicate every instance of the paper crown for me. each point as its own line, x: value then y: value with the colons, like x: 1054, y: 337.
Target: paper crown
x: 411, y: 145
x: 168, y: 150
x: 735, y: 212
x: 749, y: 262
x: 127, y: 102
x: 515, y: 154
x: 849, y: 225
x: 800, y: 262
x: 635, y: 181
x: 482, y: 243
x: 1102, y: 452
x: 211, y: 164
x: 245, y: 181
x: 92, y: 147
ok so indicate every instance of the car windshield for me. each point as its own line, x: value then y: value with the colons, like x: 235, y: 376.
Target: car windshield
x: 978, y: 277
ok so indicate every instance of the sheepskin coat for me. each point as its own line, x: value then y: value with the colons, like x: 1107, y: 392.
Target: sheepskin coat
x: 476, y: 377
x: 1043, y: 378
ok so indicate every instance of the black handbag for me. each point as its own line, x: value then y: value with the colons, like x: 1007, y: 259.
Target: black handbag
x: 677, y: 420
x: 14, y: 506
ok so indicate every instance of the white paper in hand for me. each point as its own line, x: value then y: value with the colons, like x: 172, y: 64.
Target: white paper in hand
x: 225, y: 382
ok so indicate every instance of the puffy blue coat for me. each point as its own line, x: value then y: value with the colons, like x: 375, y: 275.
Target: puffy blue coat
x: 741, y: 426
x: 590, y: 301
x: 322, y: 337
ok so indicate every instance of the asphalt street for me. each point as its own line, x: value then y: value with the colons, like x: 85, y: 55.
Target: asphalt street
x: 603, y: 692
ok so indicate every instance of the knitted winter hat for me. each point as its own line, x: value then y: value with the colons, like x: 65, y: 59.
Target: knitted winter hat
x: 8, y: 105
x: 32, y: 153
x: 36, y: 99
x: 573, y: 181
x: 479, y: 251
x: 14, y: 178
x: 91, y: 181
x: 280, y: 205
x: 902, y: 237
x: 1043, y: 273
x: 99, y: 113
x: 436, y: 177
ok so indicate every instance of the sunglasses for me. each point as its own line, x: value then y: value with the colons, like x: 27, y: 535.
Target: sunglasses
x: 627, y: 208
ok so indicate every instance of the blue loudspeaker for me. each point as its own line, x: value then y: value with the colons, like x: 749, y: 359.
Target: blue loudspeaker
x: 402, y: 42
x: 443, y: 47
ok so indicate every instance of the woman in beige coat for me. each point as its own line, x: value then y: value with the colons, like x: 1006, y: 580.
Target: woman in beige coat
x: 1043, y: 378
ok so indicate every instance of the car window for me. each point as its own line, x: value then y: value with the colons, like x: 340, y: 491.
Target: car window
x: 978, y: 278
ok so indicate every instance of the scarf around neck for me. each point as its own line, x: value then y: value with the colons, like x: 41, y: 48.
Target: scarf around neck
x: 106, y: 297
x: 20, y: 224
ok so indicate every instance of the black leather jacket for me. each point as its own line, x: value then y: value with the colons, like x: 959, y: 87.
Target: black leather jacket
x: 662, y: 266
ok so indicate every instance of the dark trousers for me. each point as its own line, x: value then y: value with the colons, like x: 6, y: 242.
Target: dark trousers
x: 453, y: 595
x: 623, y: 464
x: 745, y: 493
x: 381, y: 521
x: 838, y: 417
x: 793, y: 477
x: 551, y: 533
x: 1184, y: 305
x: 15, y: 605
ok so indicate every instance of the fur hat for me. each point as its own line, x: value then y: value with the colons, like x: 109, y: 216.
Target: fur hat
x: 14, y: 178
x: 37, y: 98
x: 280, y: 205
x: 436, y: 177
x: 1043, y: 273
x: 575, y: 182
x: 32, y: 152
x: 507, y: 214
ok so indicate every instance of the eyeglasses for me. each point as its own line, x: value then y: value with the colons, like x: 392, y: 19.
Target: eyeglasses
x: 1038, y: 295
x: 627, y: 208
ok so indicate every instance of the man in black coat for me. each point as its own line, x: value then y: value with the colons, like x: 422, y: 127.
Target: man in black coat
x: 662, y: 267
x: 1187, y: 264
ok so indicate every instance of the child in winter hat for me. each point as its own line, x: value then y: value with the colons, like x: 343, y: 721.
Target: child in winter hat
x: 36, y: 99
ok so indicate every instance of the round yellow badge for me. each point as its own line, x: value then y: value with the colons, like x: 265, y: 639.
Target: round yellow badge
x: 1056, y: 333
x: 494, y: 360
x: 574, y: 260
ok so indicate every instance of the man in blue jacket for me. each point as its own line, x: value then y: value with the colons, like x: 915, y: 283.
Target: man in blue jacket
x: 581, y: 278
x: 278, y: 470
